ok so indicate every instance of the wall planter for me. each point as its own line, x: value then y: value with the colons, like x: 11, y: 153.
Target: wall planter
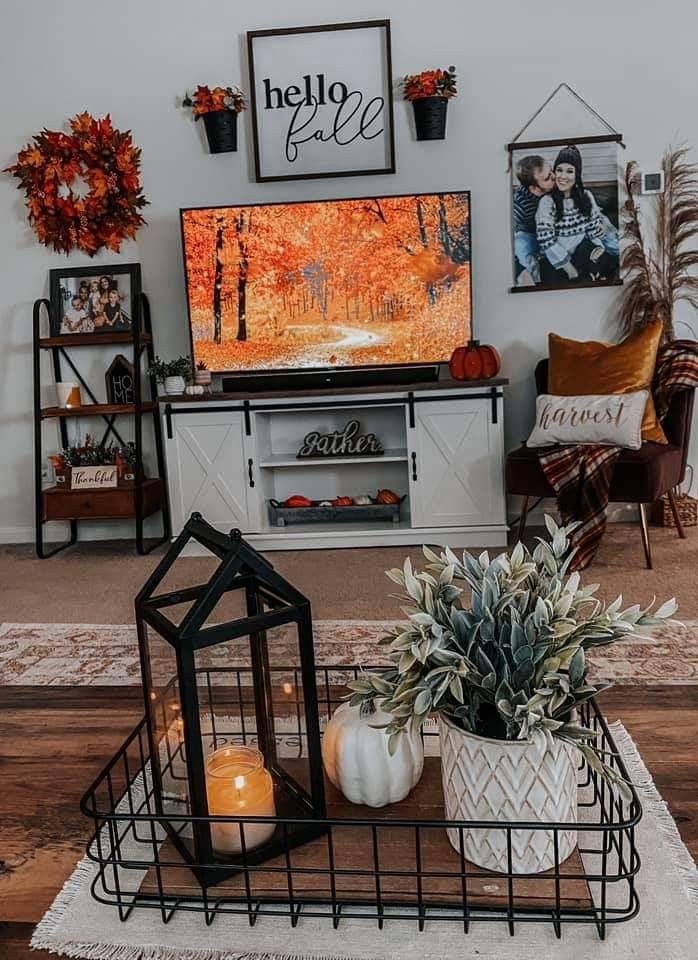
x: 505, y: 780
x: 430, y: 118
x: 221, y: 131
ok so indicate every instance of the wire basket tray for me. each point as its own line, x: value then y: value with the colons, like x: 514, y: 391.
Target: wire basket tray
x: 394, y: 863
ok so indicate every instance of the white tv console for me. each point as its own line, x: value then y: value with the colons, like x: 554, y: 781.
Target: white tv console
x: 228, y: 454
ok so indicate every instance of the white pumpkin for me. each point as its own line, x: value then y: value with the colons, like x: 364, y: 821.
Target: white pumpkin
x: 357, y: 761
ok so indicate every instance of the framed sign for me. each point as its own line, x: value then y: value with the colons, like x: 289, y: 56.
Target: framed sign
x: 93, y: 478
x: 322, y: 102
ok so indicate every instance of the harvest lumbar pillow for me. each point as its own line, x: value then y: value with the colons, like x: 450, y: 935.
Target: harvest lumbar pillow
x: 613, y: 420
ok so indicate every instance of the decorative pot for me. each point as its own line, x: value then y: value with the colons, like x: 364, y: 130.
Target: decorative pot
x: 174, y: 385
x: 221, y: 130
x: 202, y: 378
x: 507, y: 781
x: 357, y: 760
x: 430, y: 117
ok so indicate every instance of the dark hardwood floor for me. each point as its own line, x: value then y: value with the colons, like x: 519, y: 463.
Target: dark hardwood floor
x: 54, y: 740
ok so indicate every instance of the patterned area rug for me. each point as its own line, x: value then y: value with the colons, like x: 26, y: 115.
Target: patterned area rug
x: 66, y: 654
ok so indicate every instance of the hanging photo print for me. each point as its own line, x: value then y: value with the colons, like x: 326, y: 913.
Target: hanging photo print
x: 322, y: 103
x: 565, y: 213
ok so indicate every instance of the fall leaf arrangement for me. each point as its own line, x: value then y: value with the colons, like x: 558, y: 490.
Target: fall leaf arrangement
x: 204, y: 100
x: 105, y: 159
x: 430, y: 83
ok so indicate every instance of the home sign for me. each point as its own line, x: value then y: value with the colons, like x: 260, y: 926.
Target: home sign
x: 93, y: 478
x: 347, y: 442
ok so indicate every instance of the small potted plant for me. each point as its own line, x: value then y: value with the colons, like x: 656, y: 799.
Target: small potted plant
x: 172, y: 374
x: 219, y: 108
x: 429, y: 93
x: 506, y: 676
x: 202, y: 375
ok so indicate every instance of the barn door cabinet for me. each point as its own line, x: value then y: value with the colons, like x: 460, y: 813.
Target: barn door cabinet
x: 228, y: 455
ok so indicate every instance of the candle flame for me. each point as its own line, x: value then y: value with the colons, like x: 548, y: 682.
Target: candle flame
x: 288, y: 688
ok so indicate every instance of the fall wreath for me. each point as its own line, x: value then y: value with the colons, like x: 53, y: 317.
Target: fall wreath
x: 105, y: 163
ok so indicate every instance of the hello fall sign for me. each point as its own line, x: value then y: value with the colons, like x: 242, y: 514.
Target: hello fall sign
x: 322, y: 101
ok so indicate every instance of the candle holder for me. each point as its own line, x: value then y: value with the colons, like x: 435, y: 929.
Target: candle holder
x: 228, y: 796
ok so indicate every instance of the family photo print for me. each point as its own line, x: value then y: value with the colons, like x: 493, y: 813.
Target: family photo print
x: 565, y: 214
x: 94, y: 300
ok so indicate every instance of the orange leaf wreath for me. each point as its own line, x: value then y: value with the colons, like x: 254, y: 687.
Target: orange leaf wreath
x: 108, y: 163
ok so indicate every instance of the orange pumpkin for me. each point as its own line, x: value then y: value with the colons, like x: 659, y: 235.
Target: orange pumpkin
x: 343, y: 502
x: 475, y: 361
x: 297, y: 500
x: 387, y: 496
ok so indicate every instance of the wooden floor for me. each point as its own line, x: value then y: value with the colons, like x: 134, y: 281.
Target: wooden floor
x: 55, y: 740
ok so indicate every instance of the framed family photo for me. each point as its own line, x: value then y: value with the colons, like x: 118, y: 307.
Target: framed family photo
x: 89, y: 300
x: 564, y: 196
x: 322, y: 101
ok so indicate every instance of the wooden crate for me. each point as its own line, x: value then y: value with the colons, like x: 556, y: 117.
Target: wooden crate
x: 60, y: 503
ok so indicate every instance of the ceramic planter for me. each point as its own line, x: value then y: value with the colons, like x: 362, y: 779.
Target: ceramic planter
x: 174, y: 385
x: 508, y: 780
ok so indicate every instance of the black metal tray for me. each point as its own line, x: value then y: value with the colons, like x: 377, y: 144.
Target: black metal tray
x: 279, y: 515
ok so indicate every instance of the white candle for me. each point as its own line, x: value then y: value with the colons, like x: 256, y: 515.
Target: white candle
x: 238, y: 785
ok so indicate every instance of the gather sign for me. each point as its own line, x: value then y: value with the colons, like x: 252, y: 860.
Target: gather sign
x: 341, y: 443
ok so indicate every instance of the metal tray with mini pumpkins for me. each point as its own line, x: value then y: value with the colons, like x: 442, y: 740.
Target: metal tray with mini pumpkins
x: 280, y: 516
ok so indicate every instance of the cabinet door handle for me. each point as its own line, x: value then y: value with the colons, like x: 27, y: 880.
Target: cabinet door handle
x: 249, y: 471
x: 414, y: 465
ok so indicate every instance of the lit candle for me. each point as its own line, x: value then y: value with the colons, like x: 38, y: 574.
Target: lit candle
x: 237, y: 785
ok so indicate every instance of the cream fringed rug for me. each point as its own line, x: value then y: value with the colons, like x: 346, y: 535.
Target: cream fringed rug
x: 66, y: 654
x: 665, y: 929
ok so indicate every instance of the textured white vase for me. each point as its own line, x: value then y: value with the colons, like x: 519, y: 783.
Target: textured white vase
x: 505, y: 781
x: 174, y: 386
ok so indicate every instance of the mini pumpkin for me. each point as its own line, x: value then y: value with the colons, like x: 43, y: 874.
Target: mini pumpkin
x: 357, y: 760
x: 343, y: 502
x: 475, y: 361
x: 298, y: 500
x: 387, y: 496
x: 363, y: 500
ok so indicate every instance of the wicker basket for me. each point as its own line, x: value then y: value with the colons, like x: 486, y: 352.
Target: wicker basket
x: 686, y: 506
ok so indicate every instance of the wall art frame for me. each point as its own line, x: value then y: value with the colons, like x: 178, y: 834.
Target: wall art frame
x: 334, y: 119
x: 97, y: 312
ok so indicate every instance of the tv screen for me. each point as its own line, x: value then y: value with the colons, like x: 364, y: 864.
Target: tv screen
x: 379, y: 281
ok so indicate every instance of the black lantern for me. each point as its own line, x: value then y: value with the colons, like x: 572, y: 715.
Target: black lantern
x: 228, y: 742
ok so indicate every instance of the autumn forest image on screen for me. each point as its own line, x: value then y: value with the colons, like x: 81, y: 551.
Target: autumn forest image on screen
x: 329, y: 284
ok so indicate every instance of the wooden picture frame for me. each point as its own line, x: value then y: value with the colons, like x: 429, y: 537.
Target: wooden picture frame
x: 326, y: 121
x: 106, y: 309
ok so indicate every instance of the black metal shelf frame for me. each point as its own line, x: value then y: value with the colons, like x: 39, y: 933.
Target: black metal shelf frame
x: 120, y: 802
x: 141, y: 324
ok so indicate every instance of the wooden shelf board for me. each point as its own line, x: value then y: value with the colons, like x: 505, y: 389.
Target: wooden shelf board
x: 115, y: 503
x: 95, y: 409
x: 395, y: 455
x: 90, y: 339
x: 353, y: 856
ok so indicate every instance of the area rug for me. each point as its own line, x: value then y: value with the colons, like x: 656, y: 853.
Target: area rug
x: 666, y: 927
x: 67, y: 654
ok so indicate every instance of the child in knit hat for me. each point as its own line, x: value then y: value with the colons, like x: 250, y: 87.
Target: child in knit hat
x: 570, y: 227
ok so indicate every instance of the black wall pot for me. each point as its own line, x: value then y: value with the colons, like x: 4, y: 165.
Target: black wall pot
x: 430, y: 118
x: 221, y: 130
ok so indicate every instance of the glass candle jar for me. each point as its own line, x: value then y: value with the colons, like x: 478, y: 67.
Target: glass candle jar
x: 238, y: 785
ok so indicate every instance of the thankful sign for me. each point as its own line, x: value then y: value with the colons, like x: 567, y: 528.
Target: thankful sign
x: 321, y: 100
x: 341, y: 443
x: 93, y: 478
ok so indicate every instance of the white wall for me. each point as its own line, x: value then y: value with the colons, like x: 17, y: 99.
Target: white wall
x: 633, y: 62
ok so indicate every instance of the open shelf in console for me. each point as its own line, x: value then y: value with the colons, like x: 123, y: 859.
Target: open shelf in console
x: 396, y: 455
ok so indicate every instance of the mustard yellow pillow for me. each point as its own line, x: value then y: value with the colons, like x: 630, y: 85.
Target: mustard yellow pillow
x: 580, y: 368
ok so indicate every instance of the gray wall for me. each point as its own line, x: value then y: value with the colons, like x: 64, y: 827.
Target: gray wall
x: 634, y: 62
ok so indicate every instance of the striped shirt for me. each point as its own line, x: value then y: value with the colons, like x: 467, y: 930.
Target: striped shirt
x: 525, y: 206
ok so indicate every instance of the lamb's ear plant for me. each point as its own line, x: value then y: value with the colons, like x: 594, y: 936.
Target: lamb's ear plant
x: 513, y: 664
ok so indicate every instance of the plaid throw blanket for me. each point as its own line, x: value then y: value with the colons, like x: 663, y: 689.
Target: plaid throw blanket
x: 581, y: 475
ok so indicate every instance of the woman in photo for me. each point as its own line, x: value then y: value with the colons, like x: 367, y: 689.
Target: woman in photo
x: 570, y: 227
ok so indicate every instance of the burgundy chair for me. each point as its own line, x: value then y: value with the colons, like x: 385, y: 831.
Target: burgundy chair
x: 640, y: 476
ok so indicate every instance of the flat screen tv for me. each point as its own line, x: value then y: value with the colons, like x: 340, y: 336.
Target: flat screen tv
x: 331, y: 284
